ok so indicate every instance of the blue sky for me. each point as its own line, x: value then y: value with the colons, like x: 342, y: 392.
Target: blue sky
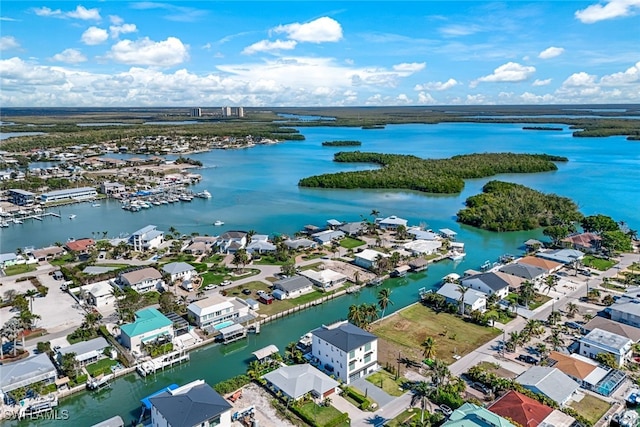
x: 318, y: 53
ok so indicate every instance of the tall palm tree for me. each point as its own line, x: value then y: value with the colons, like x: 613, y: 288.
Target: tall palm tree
x: 384, y: 299
x: 439, y: 372
x: 355, y: 316
x: 31, y: 294
x: 551, y: 282
x: 572, y: 310
x: 374, y: 214
x: 527, y: 291
x: 463, y: 290
x: 429, y: 348
x: 420, y: 391
x: 554, y: 317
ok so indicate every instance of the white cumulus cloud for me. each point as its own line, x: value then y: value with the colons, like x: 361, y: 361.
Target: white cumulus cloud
x: 580, y: 79
x: 268, y: 46
x: 610, y: 9
x: 94, y: 35
x: 8, y: 42
x: 631, y: 75
x: 321, y: 30
x: 410, y: 67
x: 116, y: 30
x: 425, y: 98
x: 509, y: 72
x: 438, y: 86
x: 45, y: 11
x: 85, y: 14
x: 144, y: 51
x: 538, y: 82
x: 70, y: 56
x: 551, y: 52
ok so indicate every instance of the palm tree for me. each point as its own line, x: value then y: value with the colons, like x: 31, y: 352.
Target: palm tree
x: 462, y: 290
x: 541, y: 348
x: 555, y: 339
x: 355, y: 316
x: 370, y: 312
x: 374, y: 214
x: 240, y: 258
x: 421, y: 391
x: 572, y: 310
x: 554, y: 317
x: 384, y: 299
x: 515, y: 339
x: 534, y: 328
x: 527, y: 291
x: 551, y: 282
x: 439, y: 372
x: 31, y: 294
x: 429, y: 348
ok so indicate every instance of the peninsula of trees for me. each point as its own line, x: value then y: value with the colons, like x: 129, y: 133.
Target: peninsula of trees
x: 428, y: 175
x: 541, y: 128
x: 504, y: 206
x: 341, y: 143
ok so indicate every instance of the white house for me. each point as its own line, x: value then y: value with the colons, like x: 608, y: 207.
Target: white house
x: 327, y: 236
x: 489, y: 283
x: 423, y: 247
x: 599, y: 341
x: 392, y: 223
x: 26, y: 372
x: 345, y: 350
x: 297, y: 380
x: 146, y: 238
x: 86, y: 352
x: 100, y: 294
x: 260, y: 244
x: 193, y: 404
x: 292, y: 287
x: 368, y: 258
x: 179, y: 270
x: 550, y: 382
x: 150, y: 326
x: 325, y: 279
x: 473, y: 300
x: 232, y: 241
x: 143, y: 280
x: 300, y: 244
x: 216, y: 310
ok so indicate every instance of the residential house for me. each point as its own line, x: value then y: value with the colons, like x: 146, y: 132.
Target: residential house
x: 547, y: 265
x: 550, y: 382
x: 80, y: 246
x: 489, y: 283
x: 325, y: 279
x: 612, y: 326
x: 179, y: 271
x: 368, y: 258
x: 146, y: 238
x: 585, y: 242
x: 300, y: 244
x: 231, y: 241
x: 345, y: 350
x: 514, y: 281
x: 260, y: 244
x: 26, y: 372
x: 48, y: 253
x: 598, y: 341
x: 143, y: 280
x: 627, y: 308
x: 193, y: 404
x: 201, y: 245
x: 418, y: 264
x: 471, y: 415
x: 392, y: 223
x: 420, y: 234
x: 292, y: 287
x: 327, y: 236
x: 423, y: 247
x: 150, y: 326
x: 297, y: 381
x: 352, y: 229
x: 447, y: 233
x: 86, y: 352
x: 217, y: 310
x: 333, y: 223
x: 525, y: 271
x: 589, y: 374
x: 473, y: 300
x: 528, y: 412
x: 8, y: 259
x: 99, y: 294
x: 563, y: 256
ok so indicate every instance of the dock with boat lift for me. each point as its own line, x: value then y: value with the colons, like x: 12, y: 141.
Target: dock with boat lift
x: 160, y: 363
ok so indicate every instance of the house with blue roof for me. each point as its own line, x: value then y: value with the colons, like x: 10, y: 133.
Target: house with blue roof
x: 470, y: 415
x: 150, y: 326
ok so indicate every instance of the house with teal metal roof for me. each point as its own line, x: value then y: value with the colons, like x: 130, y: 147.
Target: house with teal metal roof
x: 470, y: 415
x: 150, y: 325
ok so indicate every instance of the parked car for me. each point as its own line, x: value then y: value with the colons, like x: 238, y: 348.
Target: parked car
x: 527, y: 359
x: 573, y: 325
x: 246, y: 291
x: 210, y: 287
x: 446, y: 410
x: 225, y: 283
x: 481, y: 387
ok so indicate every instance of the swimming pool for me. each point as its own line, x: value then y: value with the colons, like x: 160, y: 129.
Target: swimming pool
x: 223, y: 324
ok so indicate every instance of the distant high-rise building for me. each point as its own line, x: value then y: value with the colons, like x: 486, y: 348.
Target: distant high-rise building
x: 226, y: 111
x: 240, y: 112
x: 196, y: 112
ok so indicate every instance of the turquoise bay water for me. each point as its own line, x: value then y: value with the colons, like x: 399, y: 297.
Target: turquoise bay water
x: 257, y: 189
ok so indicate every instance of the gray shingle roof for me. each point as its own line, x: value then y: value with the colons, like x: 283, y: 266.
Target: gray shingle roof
x: 197, y: 405
x: 292, y: 284
x: 346, y: 336
x: 83, y: 347
x: 492, y: 280
x: 525, y: 271
x: 298, y: 380
x: 549, y: 381
x: 177, y: 267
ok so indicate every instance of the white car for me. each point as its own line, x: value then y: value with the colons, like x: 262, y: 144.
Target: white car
x: 210, y: 287
x: 225, y: 283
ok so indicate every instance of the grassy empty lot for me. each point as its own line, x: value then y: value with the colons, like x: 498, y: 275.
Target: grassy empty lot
x: 591, y: 407
x: 350, y: 243
x: 600, y: 264
x: 321, y: 414
x: 19, y: 269
x: 387, y: 381
x: 406, y: 330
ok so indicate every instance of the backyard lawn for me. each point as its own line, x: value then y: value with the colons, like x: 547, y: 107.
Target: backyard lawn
x: 102, y: 366
x: 387, y: 381
x: 350, y: 243
x: 591, y: 407
x: 404, y: 332
x: 278, y: 306
x: 321, y: 414
x: 600, y: 264
x: 19, y: 269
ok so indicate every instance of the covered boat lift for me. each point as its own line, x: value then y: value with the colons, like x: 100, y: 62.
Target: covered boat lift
x: 265, y: 352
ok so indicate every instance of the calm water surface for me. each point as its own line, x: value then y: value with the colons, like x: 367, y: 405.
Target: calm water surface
x: 257, y: 189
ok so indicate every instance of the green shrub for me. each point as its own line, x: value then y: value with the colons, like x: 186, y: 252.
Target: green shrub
x: 232, y: 384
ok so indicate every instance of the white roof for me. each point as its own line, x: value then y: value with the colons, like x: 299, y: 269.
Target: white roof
x: 323, y: 276
x: 266, y: 351
x: 394, y: 220
x: 450, y: 290
x: 607, y: 340
x: 551, y: 382
x: 209, y: 305
x: 423, y: 246
x: 177, y: 267
x: 98, y: 289
x: 298, y: 380
x: 370, y: 255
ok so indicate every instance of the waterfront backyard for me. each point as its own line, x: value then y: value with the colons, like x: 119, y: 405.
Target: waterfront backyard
x: 404, y: 332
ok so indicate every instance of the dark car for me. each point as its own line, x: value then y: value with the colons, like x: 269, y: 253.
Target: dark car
x: 481, y: 387
x: 246, y: 291
x: 528, y: 359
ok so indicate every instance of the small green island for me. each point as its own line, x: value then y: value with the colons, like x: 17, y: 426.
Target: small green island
x: 341, y: 143
x: 504, y: 206
x: 445, y: 176
x: 541, y: 128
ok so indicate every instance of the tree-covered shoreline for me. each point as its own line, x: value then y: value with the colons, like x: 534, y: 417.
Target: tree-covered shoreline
x: 428, y: 175
x: 341, y: 143
x: 504, y: 206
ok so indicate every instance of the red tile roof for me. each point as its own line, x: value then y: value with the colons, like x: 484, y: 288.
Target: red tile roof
x: 80, y: 245
x: 521, y: 409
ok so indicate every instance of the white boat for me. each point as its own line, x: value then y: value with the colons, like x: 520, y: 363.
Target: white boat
x: 72, y: 216
x: 218, y: 222
x: 17, y: 221
x: 204, y: 194
x: 3, y: 224
x: 456, y: 256
x: 96, y: 205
